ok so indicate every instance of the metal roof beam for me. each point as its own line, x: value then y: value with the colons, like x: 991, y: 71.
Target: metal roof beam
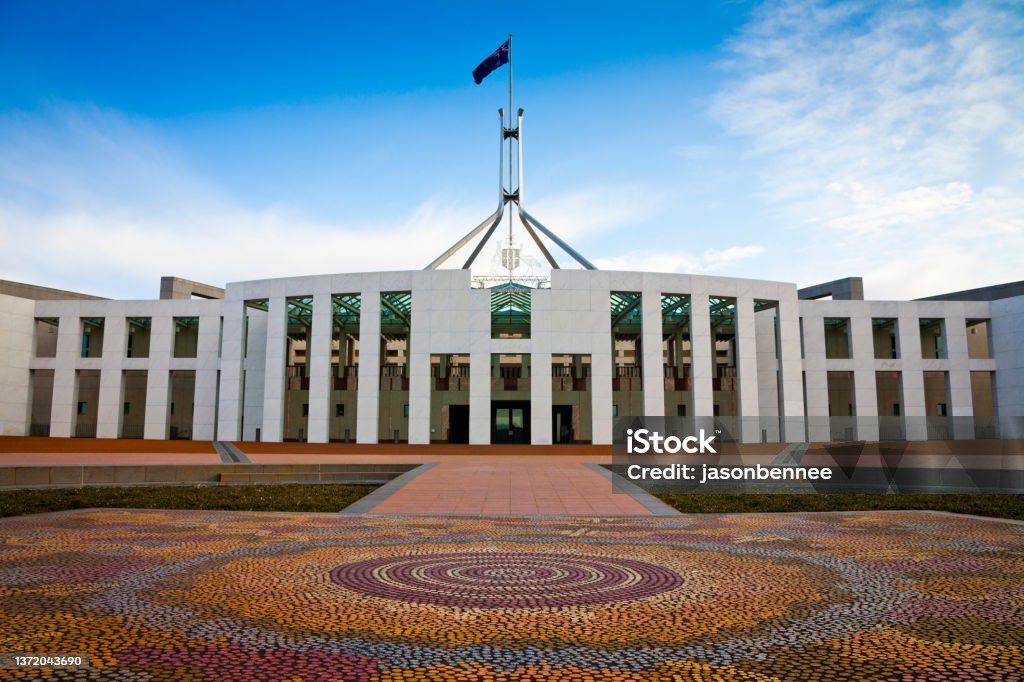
x: 626, y: 311
x: 395, y: 311
x: 555, y: 238
x: 479, y: 247
x: 543, y: 249
x: 437, y: 262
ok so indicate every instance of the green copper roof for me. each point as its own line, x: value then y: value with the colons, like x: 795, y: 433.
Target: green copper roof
x: 345, y: 309
x: 510, y: 304
x: 396, y: 308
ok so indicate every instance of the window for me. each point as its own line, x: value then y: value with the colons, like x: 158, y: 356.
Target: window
x: 884, y: 334
x: 933, y: 338
x: 979, y: 339
x: 615, y: 410
x: 339, y: 410
x: 895, y: 409
x: 138, y: 337
x: 837, y: 338
x: 127, y: 408
x: 941, y: 409
x: 717, y: 410
x: 680, y: 410
x: 172, y: 408
x: 92, y: 337
x: 186, y: 337
x: 46, y: 337
x: 83, y: 407
x: 305, y: 409
x: 405, y: 410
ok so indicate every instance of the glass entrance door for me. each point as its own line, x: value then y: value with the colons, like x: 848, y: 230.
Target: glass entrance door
x: 510, y: 424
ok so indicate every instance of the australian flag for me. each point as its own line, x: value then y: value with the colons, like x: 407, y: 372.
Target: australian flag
x: 499, y: 58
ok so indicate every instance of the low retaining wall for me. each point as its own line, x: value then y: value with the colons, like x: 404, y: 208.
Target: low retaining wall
x: 184, y: 474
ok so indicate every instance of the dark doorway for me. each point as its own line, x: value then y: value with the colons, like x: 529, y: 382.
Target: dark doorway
x: 561, y: 424
x: 458, y: 423
x: 510, y: 422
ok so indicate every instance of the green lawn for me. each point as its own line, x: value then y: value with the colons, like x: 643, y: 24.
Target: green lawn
x: 291, y: 498
x: 334, y: 498
x: 997, y: 505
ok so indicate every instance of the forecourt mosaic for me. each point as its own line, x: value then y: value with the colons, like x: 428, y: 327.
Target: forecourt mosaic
x: 247, y: 596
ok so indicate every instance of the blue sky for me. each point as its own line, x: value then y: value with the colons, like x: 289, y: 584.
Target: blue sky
x: 797, y: 141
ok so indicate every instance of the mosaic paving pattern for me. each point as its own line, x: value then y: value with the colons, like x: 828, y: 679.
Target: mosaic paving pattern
x: 492, y: 580
x: 249, y: 597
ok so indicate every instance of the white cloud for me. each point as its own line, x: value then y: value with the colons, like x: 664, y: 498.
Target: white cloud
x: 714, y: 259
x: 125, y: 252
x: 595, y: 210
x: 889, y: 135
x: 671, y: 261
x: 95, y: 201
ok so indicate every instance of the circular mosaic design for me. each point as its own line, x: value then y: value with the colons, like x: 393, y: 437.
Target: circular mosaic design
x: 505, y: 579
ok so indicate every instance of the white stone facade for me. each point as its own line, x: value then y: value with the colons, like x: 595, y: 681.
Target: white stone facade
x: 780, y: 356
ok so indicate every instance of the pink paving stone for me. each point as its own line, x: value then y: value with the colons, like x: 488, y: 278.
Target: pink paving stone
x: 497, y: 484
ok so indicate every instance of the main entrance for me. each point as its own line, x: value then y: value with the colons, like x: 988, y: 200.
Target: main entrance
x: 510, y: 421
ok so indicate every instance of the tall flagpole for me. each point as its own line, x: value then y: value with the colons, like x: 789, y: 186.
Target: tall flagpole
x: 509, y: 256
x: 508, y: 196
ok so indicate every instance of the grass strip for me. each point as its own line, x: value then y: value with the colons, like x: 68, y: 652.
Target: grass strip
x: 282, y: 497
x: 998, y: 505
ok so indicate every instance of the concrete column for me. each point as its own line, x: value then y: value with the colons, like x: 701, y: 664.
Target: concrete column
x: 318, y: 363
x: 765, y: 324
x: 1008, y: 351
x: 17, y: 341
x: 65, y: 381
x: 746, y: 362
x: 540, y: 399
x: 204, y: 412
x: 158, y: 390
x: 255, y: 366
x: 961, y: 400
x: 419, y: 398
x: 702, y: 355
x: 791, y: 366
x: 420, y: 379
x: 865, y: 384
x: 815, y: 378
x: 419, y: 389
x: 908, y: 343
x: 653, y: 362
x: 229, y: 402
x: 602, y: 349
x: 111, y: 398
x: 961, y: 404
x: 274, y: 372
x: 480, y: 396
x: 368, y: 395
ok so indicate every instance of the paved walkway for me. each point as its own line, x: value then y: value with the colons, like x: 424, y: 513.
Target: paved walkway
x: 497, y: 484
x: 488, y: 483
